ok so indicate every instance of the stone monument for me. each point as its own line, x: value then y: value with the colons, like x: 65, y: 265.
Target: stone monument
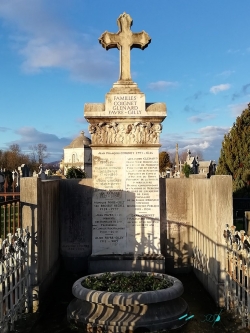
x: 125, y: 133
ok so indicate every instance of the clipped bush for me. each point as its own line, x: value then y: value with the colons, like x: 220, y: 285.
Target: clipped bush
x: 75, y: 173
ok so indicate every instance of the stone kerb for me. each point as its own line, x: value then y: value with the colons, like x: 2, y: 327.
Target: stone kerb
x: 147, y: 311
x: 115, y: 298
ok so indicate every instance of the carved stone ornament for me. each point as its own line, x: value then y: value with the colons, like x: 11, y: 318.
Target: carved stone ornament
x: 124, y: 40
x: 125, y: 134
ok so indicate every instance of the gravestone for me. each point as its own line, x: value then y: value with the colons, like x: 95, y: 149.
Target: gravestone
x: 24, y: 170
x: 41, y: 173
x: 125, y: 133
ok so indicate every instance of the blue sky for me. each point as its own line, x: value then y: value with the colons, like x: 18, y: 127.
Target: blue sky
x: 51, y: 63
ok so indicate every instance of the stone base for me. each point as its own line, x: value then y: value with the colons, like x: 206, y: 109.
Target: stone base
x: 125, y: 87
x: 113, y: 263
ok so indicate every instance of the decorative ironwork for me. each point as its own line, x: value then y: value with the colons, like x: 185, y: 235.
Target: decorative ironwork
x: 237, y: 293
x: 200, y: 260
x: 14, y: 278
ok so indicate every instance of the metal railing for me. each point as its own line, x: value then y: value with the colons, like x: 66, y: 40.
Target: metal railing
x: 10, y: 217
x: 10, y: 209
x: 237, y: 284
x: 14, y: 278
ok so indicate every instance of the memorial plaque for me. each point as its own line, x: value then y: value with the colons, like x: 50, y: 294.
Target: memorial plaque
x: 131, y: 105
x: 126, y: 201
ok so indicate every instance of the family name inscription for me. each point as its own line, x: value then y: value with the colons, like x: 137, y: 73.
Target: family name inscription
x: 125, y: 135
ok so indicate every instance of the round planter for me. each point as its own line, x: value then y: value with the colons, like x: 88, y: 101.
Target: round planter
x: 149, y: 311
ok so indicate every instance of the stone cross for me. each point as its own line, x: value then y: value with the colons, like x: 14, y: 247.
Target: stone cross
x: 124, y: 40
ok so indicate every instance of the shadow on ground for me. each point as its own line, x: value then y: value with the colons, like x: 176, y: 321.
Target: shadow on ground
x: 201, y: 307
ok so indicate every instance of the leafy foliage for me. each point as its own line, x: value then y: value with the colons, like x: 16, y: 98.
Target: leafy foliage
x: 186, y: 170
x: 164, y: 161
x: 12, y: 158
x: 235, y: 155
x: 135, y: 282
x: 75, y: 173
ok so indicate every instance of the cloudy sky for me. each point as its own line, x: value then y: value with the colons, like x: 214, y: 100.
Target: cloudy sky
x: 51, y: 63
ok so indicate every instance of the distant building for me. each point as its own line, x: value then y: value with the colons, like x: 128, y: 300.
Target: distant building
x: 78, y: 154
x: 193, y: 162
x: 205, y: 169
x: 199, y: 169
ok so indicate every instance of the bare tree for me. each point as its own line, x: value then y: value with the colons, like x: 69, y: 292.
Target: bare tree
x: 199, y: 154
x: 38, y: 153
x: 15, y: 148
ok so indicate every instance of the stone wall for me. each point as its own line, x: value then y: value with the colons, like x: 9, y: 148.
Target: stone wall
x: 59, y: 216
x: 176, y: 223
x: 40, y: 212
x: 193, y: 216
x: 76, y: 223
x: 197, y: 211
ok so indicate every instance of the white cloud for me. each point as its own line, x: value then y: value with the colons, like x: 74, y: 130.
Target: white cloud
x: 45, y: 42
x: 207, y: 139
x: 226, y: 73
x: 236, y: 109
x: 212, y: 131
x: 221, y: 87
x: 232, y: 51
x: 161, y: 85
x: 201, y: 117
x: 29, y: 136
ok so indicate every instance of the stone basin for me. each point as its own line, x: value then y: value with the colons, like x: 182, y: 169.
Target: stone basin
x: 102, y: 311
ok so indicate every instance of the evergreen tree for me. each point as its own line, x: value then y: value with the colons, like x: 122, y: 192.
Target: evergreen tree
x: 186, y: 170
x: 164, y: 161
x: 235, y: 155
x: 75, y: 173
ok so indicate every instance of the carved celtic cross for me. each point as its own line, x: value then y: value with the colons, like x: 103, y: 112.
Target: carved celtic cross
x: 124, y: 40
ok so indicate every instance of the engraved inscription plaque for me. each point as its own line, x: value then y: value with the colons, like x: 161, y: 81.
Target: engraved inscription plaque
x: 131, y: 105
x: 126, y: 201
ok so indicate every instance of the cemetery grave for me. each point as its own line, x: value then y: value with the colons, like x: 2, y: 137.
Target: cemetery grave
x: 136, y: 222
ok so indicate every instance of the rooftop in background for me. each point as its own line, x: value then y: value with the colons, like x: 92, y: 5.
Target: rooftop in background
x: 79, y: 142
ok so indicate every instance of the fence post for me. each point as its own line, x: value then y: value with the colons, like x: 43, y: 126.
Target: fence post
x: 247, y: 222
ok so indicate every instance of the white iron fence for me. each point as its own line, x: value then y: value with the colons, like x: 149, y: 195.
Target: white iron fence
x: 237, y: 284
x: 14, y: 278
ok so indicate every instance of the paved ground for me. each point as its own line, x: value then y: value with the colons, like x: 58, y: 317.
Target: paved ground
x: 202, y: 307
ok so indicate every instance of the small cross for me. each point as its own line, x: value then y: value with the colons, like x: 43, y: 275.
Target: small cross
x: 125, y: 40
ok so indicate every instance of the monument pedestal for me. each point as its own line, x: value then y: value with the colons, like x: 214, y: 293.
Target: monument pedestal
x: 126, y: 262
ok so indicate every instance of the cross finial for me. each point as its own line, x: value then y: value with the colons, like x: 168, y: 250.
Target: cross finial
x: 124, y: 40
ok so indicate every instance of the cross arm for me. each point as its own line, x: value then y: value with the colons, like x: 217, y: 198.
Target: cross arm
x: 109, y: 40
x: 140, y: 40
